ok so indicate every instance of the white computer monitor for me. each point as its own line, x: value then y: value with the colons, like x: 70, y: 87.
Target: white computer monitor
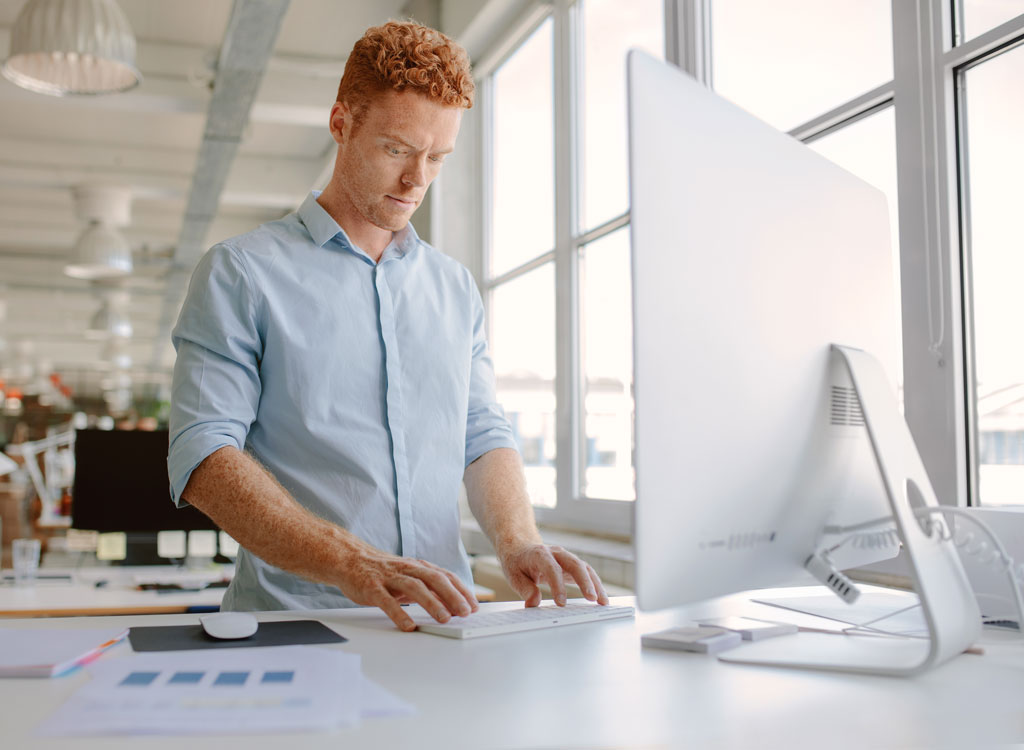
x: 751, y: 256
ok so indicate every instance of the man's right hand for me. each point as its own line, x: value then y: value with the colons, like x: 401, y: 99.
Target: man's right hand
x: 378, y: 579
x: 249, y: 504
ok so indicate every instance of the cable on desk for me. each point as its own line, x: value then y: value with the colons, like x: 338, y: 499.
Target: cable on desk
x: 994, y: 555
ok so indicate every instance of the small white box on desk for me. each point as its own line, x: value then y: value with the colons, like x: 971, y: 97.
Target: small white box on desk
x: 704, y: 640
x: 749, y: 629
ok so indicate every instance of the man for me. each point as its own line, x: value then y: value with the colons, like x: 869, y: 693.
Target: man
x: 332, y: 386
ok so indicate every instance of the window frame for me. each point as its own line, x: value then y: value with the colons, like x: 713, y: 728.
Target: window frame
x: 958, y: 59
x: 573, y: 510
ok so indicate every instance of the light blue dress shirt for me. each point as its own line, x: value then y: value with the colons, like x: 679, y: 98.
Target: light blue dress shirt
x: 365, y: 388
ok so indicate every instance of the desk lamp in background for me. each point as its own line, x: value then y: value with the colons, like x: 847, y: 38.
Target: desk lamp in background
x: 7, y: 464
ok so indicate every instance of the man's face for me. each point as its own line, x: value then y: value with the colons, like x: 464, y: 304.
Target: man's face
x: 388, y: 161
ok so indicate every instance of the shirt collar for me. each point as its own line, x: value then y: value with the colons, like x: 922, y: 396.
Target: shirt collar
x: 405, y: 240
x: 323, y: 228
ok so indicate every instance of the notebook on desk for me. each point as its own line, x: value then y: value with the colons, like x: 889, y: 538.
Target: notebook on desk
x: 50, y: 653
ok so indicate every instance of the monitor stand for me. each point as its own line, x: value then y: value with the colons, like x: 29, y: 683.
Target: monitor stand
x: 949, y: 606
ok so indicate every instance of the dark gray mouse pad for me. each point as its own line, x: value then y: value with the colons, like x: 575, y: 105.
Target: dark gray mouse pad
x: 271, y: 633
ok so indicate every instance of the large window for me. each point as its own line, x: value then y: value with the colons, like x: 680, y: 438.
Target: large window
x: 922, y: 100
x: 521, y: 309
x: 523, y: 157
x: 606, y: 30
x: 788, y: 61
x: 557, y: 282
x: 522, y: 338
x: 607, y: 360
x: 828, y: 80
x: 993, y: 118
x: 867, y: 148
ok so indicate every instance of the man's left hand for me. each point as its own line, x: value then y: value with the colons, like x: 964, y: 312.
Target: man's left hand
x: 530, y: 565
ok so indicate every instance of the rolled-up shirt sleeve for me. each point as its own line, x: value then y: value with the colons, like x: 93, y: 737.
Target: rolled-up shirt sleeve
x: 486, y: 425
x: 215, y: 390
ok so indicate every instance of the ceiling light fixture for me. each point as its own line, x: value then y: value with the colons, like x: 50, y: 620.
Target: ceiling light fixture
x: 101, y: 251
x: 67, y: 47
x: 110, y: 321
x: 115, y: 355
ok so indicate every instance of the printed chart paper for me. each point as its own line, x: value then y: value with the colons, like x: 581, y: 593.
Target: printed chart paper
x: 246, y: 691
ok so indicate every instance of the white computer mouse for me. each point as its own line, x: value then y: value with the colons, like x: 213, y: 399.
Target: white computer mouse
x: 229, y: 625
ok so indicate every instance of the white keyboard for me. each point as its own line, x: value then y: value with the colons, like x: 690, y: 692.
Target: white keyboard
x: 525, y: 618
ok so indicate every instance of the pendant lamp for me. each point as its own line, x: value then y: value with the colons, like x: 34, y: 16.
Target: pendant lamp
x: 101, y: 251
x: 72, y: 47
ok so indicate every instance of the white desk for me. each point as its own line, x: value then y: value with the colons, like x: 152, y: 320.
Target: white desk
x: 592, y: 686
x: 79, y: 595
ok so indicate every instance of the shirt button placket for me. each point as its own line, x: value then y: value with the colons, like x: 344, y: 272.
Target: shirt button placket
x: 395, y: 410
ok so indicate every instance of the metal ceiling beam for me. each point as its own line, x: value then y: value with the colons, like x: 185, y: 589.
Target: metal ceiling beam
x: 174, y: 96
x: 245, y: 52
x: 69, y: 153
x: 257, y: 181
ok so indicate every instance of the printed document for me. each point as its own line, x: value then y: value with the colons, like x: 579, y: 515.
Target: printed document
x: 236, y: 691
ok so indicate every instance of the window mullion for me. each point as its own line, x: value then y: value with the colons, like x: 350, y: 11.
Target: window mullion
x: 984, y: 44
x: 602, y: 230
x: 486, y: 154
x: 522, y: 270
x: 930, y: 267
x: 845, y: 114
x: 966, y: 270
x: 567, y: 324
x: 688, y: 37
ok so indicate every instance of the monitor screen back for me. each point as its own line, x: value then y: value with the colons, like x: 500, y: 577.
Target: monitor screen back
x: 751, y: 256
x: 121, y: 484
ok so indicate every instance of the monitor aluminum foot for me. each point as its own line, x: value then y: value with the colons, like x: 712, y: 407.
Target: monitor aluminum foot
x: 947, y: 602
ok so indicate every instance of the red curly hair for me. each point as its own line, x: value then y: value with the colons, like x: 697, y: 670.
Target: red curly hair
x: 406, y: 56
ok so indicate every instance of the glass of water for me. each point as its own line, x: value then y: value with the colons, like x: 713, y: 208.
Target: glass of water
x: 25, y: 553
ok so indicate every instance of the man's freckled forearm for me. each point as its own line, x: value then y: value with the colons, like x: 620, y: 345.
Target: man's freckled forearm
x: 496, y: 488
x: 255, y: 510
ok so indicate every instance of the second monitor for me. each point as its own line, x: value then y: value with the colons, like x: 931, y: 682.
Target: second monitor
x: 121, y: 484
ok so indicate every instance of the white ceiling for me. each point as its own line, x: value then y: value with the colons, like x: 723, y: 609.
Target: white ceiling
x: 147, y: 140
